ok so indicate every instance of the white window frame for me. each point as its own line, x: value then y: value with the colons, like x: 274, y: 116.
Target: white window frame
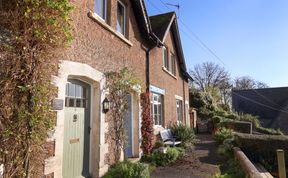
x: 104, y: 10
x: 165, y: 53
x: 153, y: 102
x: 125, y: 16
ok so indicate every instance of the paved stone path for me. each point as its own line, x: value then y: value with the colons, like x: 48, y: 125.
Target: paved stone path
x: 203, y: 162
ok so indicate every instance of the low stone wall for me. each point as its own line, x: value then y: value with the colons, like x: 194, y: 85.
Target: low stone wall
x: 250, y: 170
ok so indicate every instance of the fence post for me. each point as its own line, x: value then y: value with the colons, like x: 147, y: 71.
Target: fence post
x: 281, y: 163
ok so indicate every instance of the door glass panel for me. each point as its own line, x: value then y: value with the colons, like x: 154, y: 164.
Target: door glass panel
x: 71, y: 90
x: 71, y: 102
x: 78, y: 91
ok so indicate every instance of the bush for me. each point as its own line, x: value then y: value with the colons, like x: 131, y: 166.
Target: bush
x: 223, y: 134
x: 262, y: 148
x: 230, y: 169
x: 163, y: 159
x: 237, y: 126
x: 250, y: 118
x: 183, y: 133
x: 269, y: 131
x: 217, y: 119
x: 159, y: 144
x: 128, y: 170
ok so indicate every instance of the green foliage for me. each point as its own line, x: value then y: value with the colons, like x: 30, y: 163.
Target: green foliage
x: 269, y: 131
x: 159, y: 144
x: 34, y: 30
x: 205, y: 101
x: 250, y: 118
x: 120, y: 85
x: 183, y: 133
x: 128, y: 170
x: 230, y: 169
x: 217, y: 119
x: 223, y: 134
x: 237, y: 126
x: 163, y: 159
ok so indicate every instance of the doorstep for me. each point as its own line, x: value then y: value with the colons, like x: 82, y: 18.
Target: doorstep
x: 134, y: 160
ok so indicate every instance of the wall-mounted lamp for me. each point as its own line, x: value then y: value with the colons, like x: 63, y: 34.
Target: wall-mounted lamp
x: 106, y: 105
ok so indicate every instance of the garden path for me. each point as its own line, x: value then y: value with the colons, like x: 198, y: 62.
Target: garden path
x: 202, y: 162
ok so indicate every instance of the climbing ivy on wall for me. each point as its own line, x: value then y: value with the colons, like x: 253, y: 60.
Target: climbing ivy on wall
x: 147, y: 124
x: 31, y: 32
x: 119, y: 85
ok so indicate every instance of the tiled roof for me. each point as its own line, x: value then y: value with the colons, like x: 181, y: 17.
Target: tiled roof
x: 160, y: 23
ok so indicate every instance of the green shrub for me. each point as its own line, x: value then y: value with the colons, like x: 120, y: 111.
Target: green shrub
x: 250, y: 118
x: 217, y: 119
x: 230, y: 169
x: 159, y: 144
x: 183, y: 133
x: 269, y: 131
x: 223, y: 134
x: 128, y: 170
x: 237, y: 126
x: 233, y: 116
x: 163, y: 159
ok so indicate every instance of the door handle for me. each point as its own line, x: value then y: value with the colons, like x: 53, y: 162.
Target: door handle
x: 89, y: 129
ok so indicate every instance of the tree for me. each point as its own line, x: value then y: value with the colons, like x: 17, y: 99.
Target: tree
x: 210, y: 75
x: 247, y: 82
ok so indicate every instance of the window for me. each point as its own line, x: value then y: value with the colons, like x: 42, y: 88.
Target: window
x: 157, y: 108
x: 101, y: 8
x: 165, y: 58
x: 121, y: 18
x: 179, y: 110
x: 76, y: 96
x: 173, y: 64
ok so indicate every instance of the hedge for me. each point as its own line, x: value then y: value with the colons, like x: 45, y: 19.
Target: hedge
x: 269, y: 131
x: 237, y: 126
x: 262, y: 148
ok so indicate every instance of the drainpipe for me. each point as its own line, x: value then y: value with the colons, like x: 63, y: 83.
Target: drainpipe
x: 156, y: 43
x: 147, y: 67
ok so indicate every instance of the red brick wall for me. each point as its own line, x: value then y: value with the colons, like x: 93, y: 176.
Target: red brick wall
x: 173, y: 86
x: 99, y: 47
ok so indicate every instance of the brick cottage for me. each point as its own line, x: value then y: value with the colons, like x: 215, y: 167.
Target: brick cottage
x: 110, y: 35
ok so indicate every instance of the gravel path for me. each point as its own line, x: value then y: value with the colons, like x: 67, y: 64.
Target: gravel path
x: 201, y: 163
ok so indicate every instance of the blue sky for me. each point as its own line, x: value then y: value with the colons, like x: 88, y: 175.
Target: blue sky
x: 249, y: 36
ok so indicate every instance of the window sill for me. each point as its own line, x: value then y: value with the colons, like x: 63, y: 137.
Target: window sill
x: 167, y: 71
x: 109, y: 28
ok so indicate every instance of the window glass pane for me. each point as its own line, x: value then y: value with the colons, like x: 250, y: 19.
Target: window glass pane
x: 71, y: 90
x: 120, y: 18
x: 100, y: 8
x: 179, y: 110
x: 79, y: 91
x: 173, y: 64
x: 165, y: 58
